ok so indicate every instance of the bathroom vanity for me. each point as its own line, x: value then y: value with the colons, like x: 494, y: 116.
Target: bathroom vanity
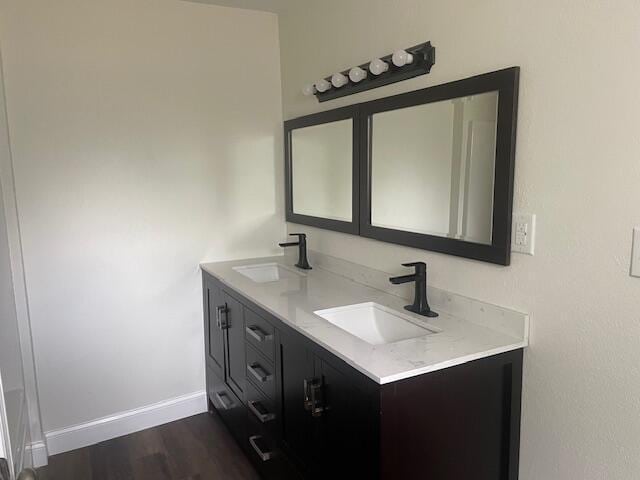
x: 321, y: 373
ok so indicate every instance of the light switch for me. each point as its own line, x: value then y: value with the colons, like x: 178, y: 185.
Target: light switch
x: 523, y: 233
x: 635, y: 254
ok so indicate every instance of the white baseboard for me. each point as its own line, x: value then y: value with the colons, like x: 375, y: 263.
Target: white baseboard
x: 124, y: 423
x: 39, y: 455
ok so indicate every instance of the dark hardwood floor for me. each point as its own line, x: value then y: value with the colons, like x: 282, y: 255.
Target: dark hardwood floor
x: 195, y: 448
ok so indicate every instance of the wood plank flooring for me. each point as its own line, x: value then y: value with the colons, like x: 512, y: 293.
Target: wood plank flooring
x: 195, y: 448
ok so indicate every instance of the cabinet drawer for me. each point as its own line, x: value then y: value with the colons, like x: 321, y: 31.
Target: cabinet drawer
x: 261, y: 372
x: 228, y: 405
x: 260, y: 334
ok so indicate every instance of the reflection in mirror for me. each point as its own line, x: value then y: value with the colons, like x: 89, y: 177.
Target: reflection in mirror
x: 321, y: 164
x: 432, y: 168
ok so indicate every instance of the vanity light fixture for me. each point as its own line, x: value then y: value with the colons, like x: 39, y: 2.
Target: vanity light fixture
x: 339, y: 80
x: 401, y: 65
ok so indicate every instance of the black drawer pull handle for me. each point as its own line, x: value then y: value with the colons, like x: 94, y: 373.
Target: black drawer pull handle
x: 258, y: 372
x: 256, y: 333
x: 264, y: 456
x: 220, y: 396
x: 260, y: 412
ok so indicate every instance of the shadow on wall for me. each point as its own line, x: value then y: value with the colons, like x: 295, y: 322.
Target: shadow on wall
x: 248, y: 197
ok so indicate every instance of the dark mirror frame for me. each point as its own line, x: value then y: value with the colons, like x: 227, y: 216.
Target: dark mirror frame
x: 344, y: 113
x: 506, y: 83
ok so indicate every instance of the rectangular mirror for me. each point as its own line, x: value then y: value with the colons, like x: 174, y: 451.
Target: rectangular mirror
x: 322, y: 170
x: 432, y: 168
x: 438, y: 165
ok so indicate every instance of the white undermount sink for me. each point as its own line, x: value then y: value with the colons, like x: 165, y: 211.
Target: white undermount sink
x: 267, y: 272
x: 376, y: 324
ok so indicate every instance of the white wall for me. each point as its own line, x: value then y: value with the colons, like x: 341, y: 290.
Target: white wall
x: 146, y: 138
x: 577, y: 168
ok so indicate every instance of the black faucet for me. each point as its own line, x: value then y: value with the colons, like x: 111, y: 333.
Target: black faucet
x: 302, y: 250
x: 420, y: 304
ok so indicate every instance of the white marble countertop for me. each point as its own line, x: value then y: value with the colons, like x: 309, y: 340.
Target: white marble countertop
x: 460, y: 340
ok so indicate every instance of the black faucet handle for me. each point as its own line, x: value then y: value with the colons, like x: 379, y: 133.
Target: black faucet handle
x: 302, y: 238
x: 419, y: 266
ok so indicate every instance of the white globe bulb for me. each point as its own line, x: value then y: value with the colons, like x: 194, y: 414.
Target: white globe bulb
x: 308, y: 90
x: 377, y: 66
x: 357, y: 74
x: 400, y: 58
x: 322, y: 85
x: 339, y: 80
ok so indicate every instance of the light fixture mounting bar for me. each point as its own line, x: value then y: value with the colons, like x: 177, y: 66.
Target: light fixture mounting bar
x: 424, y: 57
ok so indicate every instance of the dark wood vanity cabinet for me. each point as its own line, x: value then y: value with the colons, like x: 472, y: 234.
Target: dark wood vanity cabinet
x: 225, y: 347
x: 299, y: 412
x: 328, y: 411
x: 214, y: 337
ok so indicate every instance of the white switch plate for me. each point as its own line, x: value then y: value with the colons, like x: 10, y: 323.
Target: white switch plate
x: 523, y: 233
x: 635, y: 254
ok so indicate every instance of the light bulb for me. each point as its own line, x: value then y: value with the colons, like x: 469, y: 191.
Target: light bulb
x: 400, y: 58
x: 377, y: 66
x: 339, y: 80
x: 322, y: 85
x: 357, y: 74
x: 308, y: 90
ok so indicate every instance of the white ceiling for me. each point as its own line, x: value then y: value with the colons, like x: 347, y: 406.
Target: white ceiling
x: 275, y: 6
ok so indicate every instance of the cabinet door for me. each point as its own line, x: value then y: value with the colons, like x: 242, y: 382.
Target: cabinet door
x: 296, y: 367
x: 213, y: 309
x: 343, y: 431
x: 233, y: 324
